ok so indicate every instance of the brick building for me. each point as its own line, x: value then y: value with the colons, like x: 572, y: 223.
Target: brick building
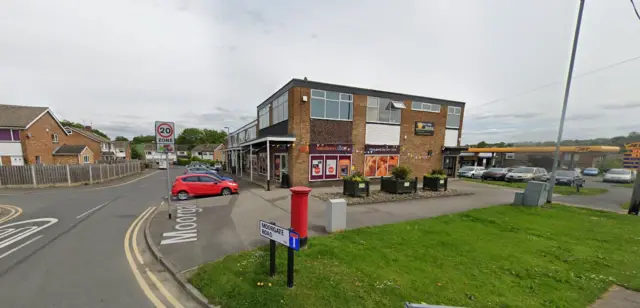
x: 318, y: 132
x: 102, y: 148
x: 73, y: 155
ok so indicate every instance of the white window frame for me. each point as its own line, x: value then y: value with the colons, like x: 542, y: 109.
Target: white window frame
x: 263, y: 117
x: 280, y: 108
x: 427, y: 107
x: 371, y: 101
x: 54, y: 138
x: 456, y: 111
x: 342, y: 98
x: 85, y: 159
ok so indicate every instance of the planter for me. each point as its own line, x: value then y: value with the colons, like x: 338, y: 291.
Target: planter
x: 435, y: 184
x: 356, y: 189
x: 395, y: 186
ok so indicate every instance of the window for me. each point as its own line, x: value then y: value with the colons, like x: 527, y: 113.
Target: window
x: 148, y: 152
x: 54, y: 138
x: 379, y: 165
x: 9, y: 135
x: 263, y: 117
x: 68, y: 130
x: 190, y: 179
x: 453, y: 117
x: 86, y: 159
x: 281, y: 108
x: 383, y: 110
x: 206, y: 179
x: 425, y: 107
x: 331, y: 105
x: 38, y: 160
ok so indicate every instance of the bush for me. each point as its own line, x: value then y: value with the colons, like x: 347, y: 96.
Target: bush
x: 437, y: 173
x: 401, y: 172
x: 356, y: 176
x: 183, y: 161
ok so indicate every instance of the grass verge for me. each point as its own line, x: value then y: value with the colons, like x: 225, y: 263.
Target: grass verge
x: 502, y: 256
x: 561, y: 190
x: 625, y: 205
x: 627, y: 185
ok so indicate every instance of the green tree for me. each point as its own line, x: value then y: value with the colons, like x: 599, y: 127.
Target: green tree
x: 121, y: 138
x: 482, y: 144
x: 135, y: 154
x: 191, y: 137
x: 143, y: 139
x: 214, y: 136
x: 80, y: 126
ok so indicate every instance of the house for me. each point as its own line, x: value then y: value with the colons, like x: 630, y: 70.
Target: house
x: 100, y: 146
x: 208, y: 151
x: 122, y: 150
x: 319, y: 132
x: 29, y: 135
x: 73, y: 155
x: 182, y: 150
x: 151, y: 153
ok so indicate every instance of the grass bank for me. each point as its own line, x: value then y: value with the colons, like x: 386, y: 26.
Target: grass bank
x: 502, y: 256
x: 627, y: 185
x: 561, y: 190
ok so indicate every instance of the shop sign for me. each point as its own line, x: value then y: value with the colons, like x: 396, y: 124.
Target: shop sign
x: 424, y: 129
x: 373, y: 149
x: 330, y: 149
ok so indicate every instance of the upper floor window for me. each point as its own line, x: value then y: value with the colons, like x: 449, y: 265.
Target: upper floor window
x: 68, y: 130
x: 281, y: 108
x: 86, y: 159
x: 425, y: 107
x: 331, y: 105
x: 263, y: 117
x: 9, y: 135
x: 383, y: 110
x: 453, y: 117
x: 54, y: 138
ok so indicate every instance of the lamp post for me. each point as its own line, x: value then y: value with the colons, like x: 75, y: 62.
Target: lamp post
x: 567, y: 89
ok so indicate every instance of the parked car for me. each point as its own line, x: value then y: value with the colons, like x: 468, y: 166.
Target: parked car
x: 577, y: 170
x: 211, y: 173
x: 193, y: 185
x: 162, y: 165
x: 619, y: 176
x: 566, y: 177
x: 496, y: 174
x: 469, y: 172
x: 525, y: 174
x: 591, y: 172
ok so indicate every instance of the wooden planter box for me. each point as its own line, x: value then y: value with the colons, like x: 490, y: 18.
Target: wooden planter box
x: 356, y: 189
x: 435, y: 184
x: 394, y: 186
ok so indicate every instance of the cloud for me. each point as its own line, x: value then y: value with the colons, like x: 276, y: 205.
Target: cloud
x: 624, y: 105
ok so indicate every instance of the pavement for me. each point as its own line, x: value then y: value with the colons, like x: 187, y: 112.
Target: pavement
x: 75, y: 247
x: 609, y: 201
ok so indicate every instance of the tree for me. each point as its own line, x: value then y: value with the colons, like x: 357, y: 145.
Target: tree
x: 190, y: 136
x: 80, y: 126
x: 482, y: 144
x: 135, y: 154
x: 214, y: 136
x: 121, y: 138
x: 143, y: 139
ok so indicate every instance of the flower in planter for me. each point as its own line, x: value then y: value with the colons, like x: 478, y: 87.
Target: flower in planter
x: 436, y: 173
x: 401, y: 173
x: 356, y: 176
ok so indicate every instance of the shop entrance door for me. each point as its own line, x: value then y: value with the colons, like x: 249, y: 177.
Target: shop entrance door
x: 449, y: 165
x: 280, y: 166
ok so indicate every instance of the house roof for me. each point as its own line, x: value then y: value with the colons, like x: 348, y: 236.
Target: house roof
x: 182, y: 147
x: 120, y: 144
x: 150, y: 146
x: 107, y: 153
x: 89, y: 135
x: 206, y: 147
x: 14, y: 116
x: 69, y: 149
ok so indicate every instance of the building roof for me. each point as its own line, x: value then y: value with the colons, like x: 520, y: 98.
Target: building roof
x: 568, y: 149
x: 69, y: 149
x: 107, y: 153
x: 150, y: 147
x: 120, y: 144
x: 13, y: 116
x: 206, y: 147
x: 182, y: 147
x: 355, y: 90
x: 90, y: 135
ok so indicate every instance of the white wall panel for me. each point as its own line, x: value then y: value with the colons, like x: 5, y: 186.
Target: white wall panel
x: 10, y: 149
x: 451, y: 138
x: 382, y: 134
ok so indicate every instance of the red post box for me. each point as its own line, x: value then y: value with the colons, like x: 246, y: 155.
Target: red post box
x: 300, y: 212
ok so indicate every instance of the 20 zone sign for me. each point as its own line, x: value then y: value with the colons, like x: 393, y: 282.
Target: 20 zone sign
x: 165, y: 133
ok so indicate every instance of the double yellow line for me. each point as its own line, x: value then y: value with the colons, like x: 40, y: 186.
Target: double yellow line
x: 14, y: 212
x: 131, y: 241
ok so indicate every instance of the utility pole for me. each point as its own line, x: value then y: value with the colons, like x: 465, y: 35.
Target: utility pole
x: 556, y: 156
x: 634, y: 205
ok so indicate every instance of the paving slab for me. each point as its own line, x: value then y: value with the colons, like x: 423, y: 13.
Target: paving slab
x: 618, y: 297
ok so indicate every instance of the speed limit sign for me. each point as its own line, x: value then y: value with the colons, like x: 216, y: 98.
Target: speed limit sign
x: 165, y: 136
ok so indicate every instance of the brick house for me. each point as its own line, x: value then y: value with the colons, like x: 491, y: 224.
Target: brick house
x: 317, y: 132
x: 102, y: 147
x: 73, y: 155
x: 29, y: 135
x: 122, y: 150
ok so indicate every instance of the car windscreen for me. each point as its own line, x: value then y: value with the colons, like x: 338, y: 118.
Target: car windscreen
x: 464, y: 169
x: 619, y: 171
x: 523, y: 170
x: 591, y: 169
x: 497, y: 170
x: 564, y: 173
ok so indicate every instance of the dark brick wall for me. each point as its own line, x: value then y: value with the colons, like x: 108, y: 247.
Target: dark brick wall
x: 329, y: 131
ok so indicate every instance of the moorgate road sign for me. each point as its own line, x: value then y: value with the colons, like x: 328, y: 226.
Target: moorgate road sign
x: 165, y: 136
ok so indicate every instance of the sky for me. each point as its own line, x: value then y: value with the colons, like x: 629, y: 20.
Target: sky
x: 120, y: 65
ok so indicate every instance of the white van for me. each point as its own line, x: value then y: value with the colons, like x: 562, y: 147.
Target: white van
x: 162, y: 165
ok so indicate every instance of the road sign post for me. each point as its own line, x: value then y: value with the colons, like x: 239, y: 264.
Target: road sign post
x: 165, y: 143
x: 286, y: 237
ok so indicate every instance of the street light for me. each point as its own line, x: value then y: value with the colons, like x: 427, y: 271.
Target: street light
x: 567, y: 89
x: 227, y: 127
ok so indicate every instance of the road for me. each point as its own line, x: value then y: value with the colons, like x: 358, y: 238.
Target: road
x: 75, y: 252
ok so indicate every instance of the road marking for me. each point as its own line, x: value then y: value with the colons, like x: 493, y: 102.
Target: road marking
x: 21, y: 245
x: 153, y: 278
x: 93, y: 209
x: 143, y: 284
x: 15, y: 212
x: 143, y: 185
x: 22, y: 232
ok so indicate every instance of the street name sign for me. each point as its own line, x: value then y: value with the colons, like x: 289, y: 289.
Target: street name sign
x: 274, y: 232
x: 165, y: 136
x: 286, y: 237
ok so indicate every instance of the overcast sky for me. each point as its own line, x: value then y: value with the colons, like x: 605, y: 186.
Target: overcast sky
x: 121, y: 64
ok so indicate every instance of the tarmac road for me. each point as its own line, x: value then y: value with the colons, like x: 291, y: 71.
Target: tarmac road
x: 71, y: 254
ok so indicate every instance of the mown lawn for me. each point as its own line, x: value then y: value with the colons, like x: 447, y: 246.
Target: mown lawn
x: 626, y: 205
x: 561, y: 190
x: 503, y: 256
x: 627, y: 185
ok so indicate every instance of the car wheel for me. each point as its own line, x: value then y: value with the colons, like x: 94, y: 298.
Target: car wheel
x: 226, y: 191
x: 183, y: 195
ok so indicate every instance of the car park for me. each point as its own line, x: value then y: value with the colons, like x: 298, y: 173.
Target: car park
x: 194, y: 185
x: 619, y: 176
x: 469, y: 172
x: 566, y: 177
x: 591, y: 172
x: 525, y: 174
x: 496, y: 174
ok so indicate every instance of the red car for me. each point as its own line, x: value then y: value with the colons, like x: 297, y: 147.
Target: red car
x: 193, y: 185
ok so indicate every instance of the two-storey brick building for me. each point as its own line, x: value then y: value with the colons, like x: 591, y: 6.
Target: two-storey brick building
x: 317, y: 132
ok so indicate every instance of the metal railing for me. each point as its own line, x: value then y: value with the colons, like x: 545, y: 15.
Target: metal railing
x: 64, y: 175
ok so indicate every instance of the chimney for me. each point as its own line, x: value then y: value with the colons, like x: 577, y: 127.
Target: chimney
x: 87, y: 128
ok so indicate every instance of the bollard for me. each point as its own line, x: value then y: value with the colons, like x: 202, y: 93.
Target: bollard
x: 336, y: 215
x: 299, y: 211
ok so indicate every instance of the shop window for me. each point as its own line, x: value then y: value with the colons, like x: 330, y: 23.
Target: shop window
x: 379, y: 165
x: 383, y: 110
x: 331, y: 105
x: 262, y: 163
x: 329, y: 167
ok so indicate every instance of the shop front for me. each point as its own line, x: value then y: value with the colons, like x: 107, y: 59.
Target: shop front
x: 329, y: 161
x: 379, y: 160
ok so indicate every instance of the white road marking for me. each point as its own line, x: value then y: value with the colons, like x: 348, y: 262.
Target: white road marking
x: 26, y: 231
x: 93, y: 209
x: 21, y: 245
x: 143, y: 185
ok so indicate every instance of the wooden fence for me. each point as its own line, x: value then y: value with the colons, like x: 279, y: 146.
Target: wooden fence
x: 64, y: 175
